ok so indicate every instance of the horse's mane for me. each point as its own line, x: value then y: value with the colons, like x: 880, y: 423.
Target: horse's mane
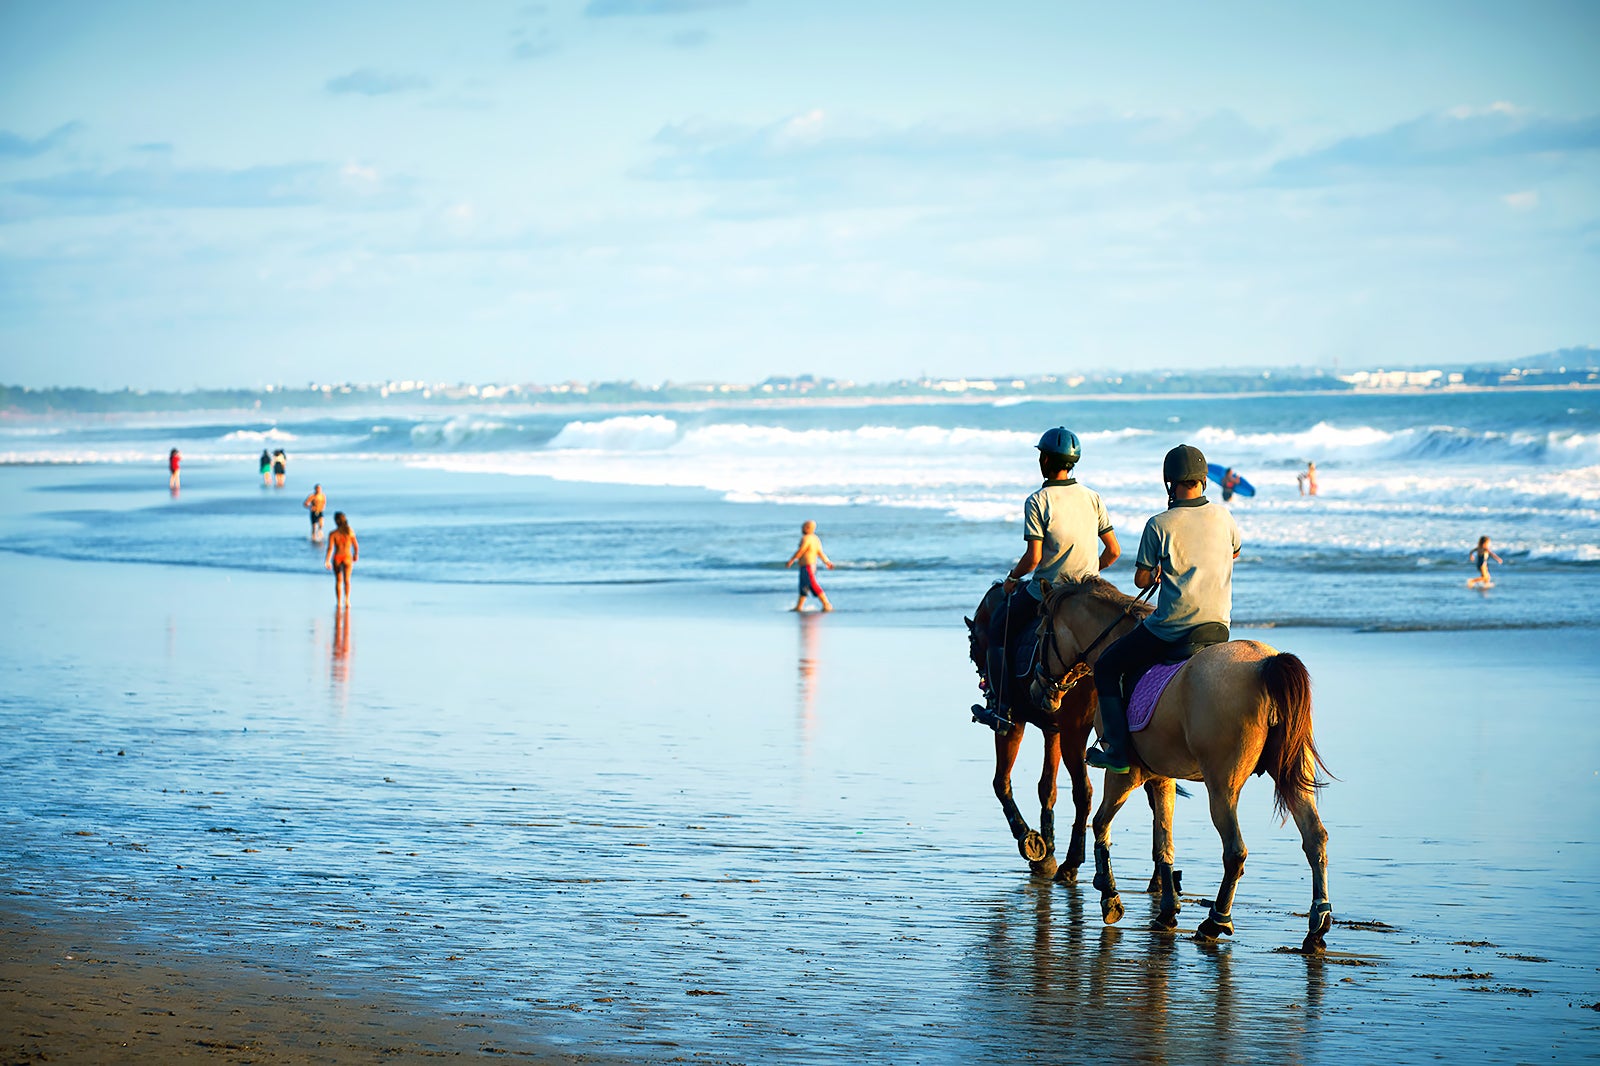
x: 1096, y: 588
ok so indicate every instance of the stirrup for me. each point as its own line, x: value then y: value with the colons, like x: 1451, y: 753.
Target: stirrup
x: 992, y: 717
x: 1102, y: 759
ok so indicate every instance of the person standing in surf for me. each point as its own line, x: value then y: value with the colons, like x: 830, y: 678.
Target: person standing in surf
x: 1067, y: 535
x: 280, y: 466
x: 1480, y: 557
x: 173, y: 459
x: 341, y: 558
x: 316, y: 503
x: 1188, y: 550
x: 1308, y: 480
x: 266, y: 468
x: 807, y: 555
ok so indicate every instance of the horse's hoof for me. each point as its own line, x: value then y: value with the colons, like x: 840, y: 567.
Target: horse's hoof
x: 1033, y: 847
x: 1210, y: 929
x: 1067, y: 875
x: 1044, y: 868
x: 1165, y: 921
x: 1111, y: 909
x: 1321, y: 920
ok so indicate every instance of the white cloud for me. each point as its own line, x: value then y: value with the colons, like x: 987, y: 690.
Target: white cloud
x: 1526, y: 200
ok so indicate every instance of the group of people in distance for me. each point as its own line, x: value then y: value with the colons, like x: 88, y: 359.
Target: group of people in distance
x: 274, y: 467
x: 1187, y: 550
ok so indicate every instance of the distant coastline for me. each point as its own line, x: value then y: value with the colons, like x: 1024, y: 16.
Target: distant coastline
x: 1569, y: 368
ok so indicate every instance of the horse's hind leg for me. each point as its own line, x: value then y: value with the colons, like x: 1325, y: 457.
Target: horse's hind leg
x: 1118, y: 787
x: 1029, y: 843
x: 1225, y: 816
x: 1314, y: 840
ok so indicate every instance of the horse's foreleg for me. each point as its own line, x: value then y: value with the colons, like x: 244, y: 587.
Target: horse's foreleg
x: 1082, y: 796
x: 1029, y: 843
x: 1046, y: 866
x: 1161, y: 792
x: 1314, y: 840
x: 1118, y: 788
x: 1225, y: 816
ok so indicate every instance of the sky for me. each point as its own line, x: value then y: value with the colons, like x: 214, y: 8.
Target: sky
x: 217, y: 195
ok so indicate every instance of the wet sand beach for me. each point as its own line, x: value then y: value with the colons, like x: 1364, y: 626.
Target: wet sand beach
x: 609, y: 829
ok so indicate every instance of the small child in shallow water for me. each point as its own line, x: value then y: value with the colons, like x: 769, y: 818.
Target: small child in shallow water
x: 1480, y: 557
x: 807, y: 555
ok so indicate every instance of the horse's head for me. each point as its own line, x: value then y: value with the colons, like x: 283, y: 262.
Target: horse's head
x: 1079, y: 622
x: 978, y: 626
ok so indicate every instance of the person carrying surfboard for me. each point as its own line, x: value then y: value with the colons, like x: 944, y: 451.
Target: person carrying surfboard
x: 1188, y: 550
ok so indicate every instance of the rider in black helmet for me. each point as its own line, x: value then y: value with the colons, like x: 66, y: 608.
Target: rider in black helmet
x: 1068, y: 536
x: 1189, y: 550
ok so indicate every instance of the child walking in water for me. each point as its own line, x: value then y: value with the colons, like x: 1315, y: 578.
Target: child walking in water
x: 341, y: 558
x: 1480, y: 557
x: 806, y: 555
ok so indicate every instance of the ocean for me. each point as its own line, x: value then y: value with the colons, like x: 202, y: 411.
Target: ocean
x: 919, y: 504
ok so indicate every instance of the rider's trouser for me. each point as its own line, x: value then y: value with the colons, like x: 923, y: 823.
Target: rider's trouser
x: 1021, y: 612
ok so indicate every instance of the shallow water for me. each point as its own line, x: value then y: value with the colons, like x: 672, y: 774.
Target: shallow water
x: 772, y: 838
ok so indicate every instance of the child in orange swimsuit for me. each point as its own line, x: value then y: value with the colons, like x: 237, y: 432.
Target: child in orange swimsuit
x: 341, y: 558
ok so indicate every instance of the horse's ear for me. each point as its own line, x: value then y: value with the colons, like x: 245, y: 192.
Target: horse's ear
x: 968, y: 621
x: 1044, y: 585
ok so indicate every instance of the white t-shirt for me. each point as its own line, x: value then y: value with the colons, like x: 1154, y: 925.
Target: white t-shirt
x: 1067, y: 519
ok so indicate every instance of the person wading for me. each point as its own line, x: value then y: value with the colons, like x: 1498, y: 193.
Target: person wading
x: 1067, y: 536
x: 1189, y: 550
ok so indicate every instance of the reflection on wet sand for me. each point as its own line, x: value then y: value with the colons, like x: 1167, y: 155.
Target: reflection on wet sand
x: 339, y: 663
x: 1127, y: 993
x: 807, y: 688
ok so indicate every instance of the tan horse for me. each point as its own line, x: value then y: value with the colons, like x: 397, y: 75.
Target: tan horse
x: 1234, y: 709
x: 1065, y: 725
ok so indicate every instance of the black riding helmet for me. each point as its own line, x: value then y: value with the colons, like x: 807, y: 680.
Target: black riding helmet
x: 1184, y: 463
x: 1063, y: 442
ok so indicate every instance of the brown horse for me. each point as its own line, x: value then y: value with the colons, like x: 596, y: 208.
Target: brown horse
x: 1233, y: 709
x: 1065, y: 725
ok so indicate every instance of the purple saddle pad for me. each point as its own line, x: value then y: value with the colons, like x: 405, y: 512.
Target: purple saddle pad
x: 1147, y: 693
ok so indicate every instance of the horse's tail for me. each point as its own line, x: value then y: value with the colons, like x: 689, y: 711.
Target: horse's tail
x: 1290, y: 755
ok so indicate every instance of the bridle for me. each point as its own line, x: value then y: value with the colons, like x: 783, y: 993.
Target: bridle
x: 1055, y: 690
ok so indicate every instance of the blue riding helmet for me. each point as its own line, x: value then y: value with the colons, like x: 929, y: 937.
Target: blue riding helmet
x: 1063, y: 442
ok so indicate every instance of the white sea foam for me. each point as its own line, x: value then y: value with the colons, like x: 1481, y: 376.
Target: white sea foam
x: 274, y: 435
x: 453, y: 433
x: 627, y: 433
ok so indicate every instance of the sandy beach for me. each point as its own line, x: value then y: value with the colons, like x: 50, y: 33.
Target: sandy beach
x: 568, y: 825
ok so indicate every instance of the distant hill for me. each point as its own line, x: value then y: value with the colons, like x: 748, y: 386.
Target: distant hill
x: 1586, y: 357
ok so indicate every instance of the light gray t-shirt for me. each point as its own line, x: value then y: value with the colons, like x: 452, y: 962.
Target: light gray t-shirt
x: 1192, y: 542
x: 1067, y: 519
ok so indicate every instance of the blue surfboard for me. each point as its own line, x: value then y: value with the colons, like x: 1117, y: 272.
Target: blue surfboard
x: 1215, y: 472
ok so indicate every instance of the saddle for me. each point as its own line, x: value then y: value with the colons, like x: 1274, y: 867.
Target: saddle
x: 1148, y: 686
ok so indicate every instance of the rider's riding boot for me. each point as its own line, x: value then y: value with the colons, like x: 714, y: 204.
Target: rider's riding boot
x: 1116, y: 745
x: 993, y: 712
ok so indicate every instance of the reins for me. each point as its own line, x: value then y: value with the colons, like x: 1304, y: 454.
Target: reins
x: 1081, y: 669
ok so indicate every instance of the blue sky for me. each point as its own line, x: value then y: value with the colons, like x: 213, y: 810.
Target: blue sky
x: 203, y: 194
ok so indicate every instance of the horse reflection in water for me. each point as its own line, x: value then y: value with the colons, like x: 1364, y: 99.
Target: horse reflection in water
x: 1065, y: 725
x: 1050, y: 978
x: 1234, y: 709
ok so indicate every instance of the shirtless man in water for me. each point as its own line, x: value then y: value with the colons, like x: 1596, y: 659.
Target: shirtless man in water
x: 806, y: 555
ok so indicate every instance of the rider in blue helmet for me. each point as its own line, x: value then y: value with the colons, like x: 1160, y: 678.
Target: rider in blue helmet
x: 1188, y: 550
x: 1067, y: 536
